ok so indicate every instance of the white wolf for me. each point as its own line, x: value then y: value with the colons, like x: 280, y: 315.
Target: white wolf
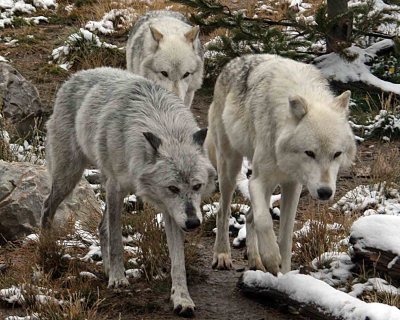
x: 144, y: 140
x: 165, y: 48
x: 280, y: 114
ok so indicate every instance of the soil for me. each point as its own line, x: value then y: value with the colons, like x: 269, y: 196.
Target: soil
x: 217, y: 297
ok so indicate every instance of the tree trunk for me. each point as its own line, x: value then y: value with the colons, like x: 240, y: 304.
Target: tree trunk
x: 341, y: 23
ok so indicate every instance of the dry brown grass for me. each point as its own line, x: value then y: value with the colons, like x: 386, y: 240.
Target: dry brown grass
x: 386, y: 166
x: 39, y: 268
x: 151, y: 239
x: 320, y: 237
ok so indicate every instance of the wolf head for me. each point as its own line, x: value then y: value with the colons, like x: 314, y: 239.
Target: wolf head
x: 177, y: 175
x: 175, y: 63
x: 320, y: 143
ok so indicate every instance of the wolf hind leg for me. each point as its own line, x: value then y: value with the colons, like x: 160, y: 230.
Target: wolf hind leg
x: 229, y: 163
x: 66, y: 172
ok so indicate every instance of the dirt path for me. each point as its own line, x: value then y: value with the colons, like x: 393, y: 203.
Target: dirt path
x: 216, y: 297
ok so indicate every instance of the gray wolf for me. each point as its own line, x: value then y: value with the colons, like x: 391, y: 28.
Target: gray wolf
x: 144, y: 140
x: 280, y: 114
x: 165, y: 48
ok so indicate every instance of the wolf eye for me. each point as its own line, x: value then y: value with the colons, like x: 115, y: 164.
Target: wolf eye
x: 164, y: 73
x: 186, y: 75
x: 197, y: 187
x: 310, y: 154
x: 337, y: 154
x: 173, y: 189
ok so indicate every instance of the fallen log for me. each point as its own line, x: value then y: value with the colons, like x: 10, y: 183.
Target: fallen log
x: 281, y: 300
x: 375, y: 245
x: 311, y: 297
x: 385, y: 263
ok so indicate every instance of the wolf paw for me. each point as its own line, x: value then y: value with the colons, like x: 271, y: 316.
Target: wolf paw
x: 222, y: 261
x: 272, y: 262
x: 256, y: 264
x: 118, y: 282
x: 183, y: 305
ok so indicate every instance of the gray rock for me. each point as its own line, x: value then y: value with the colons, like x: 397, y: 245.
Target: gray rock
x: 23, y: 187
x: 19, y: 99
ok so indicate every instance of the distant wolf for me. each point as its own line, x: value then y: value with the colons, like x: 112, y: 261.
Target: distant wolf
x: 281, y: 115
x: 144, y: 140
x: 165, y: 48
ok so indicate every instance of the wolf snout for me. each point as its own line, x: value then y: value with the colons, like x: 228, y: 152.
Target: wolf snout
x: 192, y: 223
x: 324, y: 193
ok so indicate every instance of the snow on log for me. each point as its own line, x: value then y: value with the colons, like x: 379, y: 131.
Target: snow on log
x: 313, y: 298
x: 339, y: 70
x: 376, y: 244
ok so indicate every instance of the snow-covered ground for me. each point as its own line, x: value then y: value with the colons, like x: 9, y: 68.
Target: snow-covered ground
x: 11, y: 9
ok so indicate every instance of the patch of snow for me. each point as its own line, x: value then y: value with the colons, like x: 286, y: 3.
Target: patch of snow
x: 133, y: 273
x: 87, y: 274
x: 338, y: 271
x: 378, y: 198
x: 241, y: 237
x: 377, y: 231
x: 34, y: 316
x: 36, y: 20
x: 94, y: 251
x: 2, y: 59
x: 393, y: 262
x: 125, y: 17
x: 45, y: 4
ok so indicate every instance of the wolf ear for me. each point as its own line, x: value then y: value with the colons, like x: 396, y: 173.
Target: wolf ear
x: 157, y: 35
x: 154, y: 141
x: 343, y: 101
x: 200, y: 136
x: 298, y: 107
x: 192, y: 34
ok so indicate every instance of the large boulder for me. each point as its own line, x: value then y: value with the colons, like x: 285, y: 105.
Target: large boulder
x: 23, y: 188
x: 19, y: 99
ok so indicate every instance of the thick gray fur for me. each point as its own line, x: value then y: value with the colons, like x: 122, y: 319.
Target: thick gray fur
x: 110, y: 118
x: 177, y: 53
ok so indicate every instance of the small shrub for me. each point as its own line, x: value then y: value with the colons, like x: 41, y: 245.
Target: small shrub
x: 321, y: 233
x: 84, y: 50
x: 150, y: 238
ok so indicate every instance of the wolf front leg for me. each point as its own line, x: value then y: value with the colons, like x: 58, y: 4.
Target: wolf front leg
x: 229, y: 163
x: 115, y: 198
x: 290, y: 199
x: 253, y: 256
x: 261, y: 187
x: 183, y: 303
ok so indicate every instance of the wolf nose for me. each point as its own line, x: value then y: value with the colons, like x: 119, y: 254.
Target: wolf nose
x: 324, y: 193
x: 192, y: 223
